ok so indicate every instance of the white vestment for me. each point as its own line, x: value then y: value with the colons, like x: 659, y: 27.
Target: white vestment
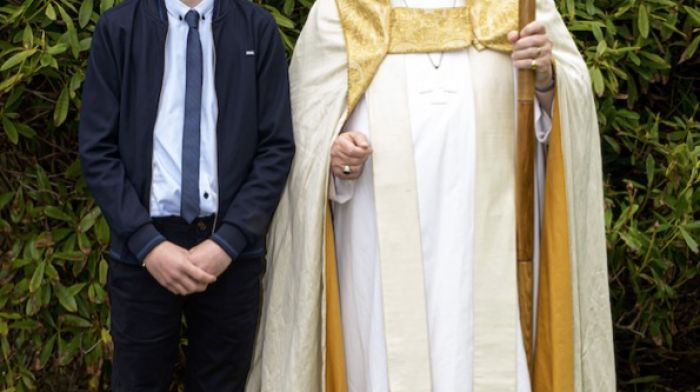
x: 441, y: 107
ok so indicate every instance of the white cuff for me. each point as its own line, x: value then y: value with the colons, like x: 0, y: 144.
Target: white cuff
x: 340, y: 191
x: 543, y: 124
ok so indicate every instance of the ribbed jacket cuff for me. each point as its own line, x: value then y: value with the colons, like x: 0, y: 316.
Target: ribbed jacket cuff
x: 230, y: 239
x: 144, y: 240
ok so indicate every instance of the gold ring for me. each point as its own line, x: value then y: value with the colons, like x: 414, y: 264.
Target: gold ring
x: 534, y: 65
x: 347, y: 170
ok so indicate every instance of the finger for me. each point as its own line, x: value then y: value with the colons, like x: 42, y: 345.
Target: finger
x: 528, y: 42
x: 176, y: 288
x: 355, y: 172
x: 196, y: 273
x: 190, y: 285
x: 359, y: 139
x: 356, y: 152
x: 543, y: 64
x: 347, y: 144
x: 513, y: 36
x: 530, y: 53
x: 342, y: 160
x: 532, y: 28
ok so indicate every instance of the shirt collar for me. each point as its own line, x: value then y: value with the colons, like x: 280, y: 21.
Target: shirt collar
x: 178, y: 9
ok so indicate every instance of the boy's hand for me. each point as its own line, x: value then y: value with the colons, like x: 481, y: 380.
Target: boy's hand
x: 170, y: 265
x: 209, y: 256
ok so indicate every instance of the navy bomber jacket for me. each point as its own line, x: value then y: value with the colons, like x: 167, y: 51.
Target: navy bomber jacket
x: 254, y: 130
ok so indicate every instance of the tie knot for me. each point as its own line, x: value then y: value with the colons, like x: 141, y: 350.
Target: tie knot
x: 192, y: 19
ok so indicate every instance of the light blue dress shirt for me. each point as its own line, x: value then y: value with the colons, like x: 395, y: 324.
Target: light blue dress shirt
x: 167, y: 135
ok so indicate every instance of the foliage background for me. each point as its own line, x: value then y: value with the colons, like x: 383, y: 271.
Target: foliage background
x: 644, y: 65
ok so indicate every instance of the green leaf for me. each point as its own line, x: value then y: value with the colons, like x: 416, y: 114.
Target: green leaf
x: 84, y: 243
x: 85, y: 13
x: 103, y: 272
x: 694, y: 14
x: 10, y: 130
x: 46, y: 351
x: 65, y: 298
x: 50, y: 12
x: 643, y: 21
x: 71, y: 31
x: 655, y: 58
x: 8, y: 83
x: 281, y: 20
x: 597, y: 78
x: 690, y: 50
x: 651, y: 166
x: 42, y: 179
x: 74, y: 321
x: 5, y: 345
x: 601, y: 49
x: 37, y: 277
x: 571, y: 8
x: 105, y: 5
x: 25, y: 131
x: 57, y: 213
x: 61, y: 110
x: 288, y: 7
x: 16, y: 59
x: 28, y: 37
x: 76, y: 288
x: 692, y: 244
x: 57, y: 49
x: 89, y: 220
x: 5, y: 198
x: 102, y: 231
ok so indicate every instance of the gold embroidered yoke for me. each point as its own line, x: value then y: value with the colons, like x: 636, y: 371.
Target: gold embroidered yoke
x: 374, y: 29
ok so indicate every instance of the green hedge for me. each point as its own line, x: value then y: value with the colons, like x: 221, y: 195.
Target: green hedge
x: 54, y: 317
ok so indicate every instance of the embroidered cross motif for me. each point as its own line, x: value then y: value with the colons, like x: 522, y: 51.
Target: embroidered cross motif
x: 440, y: 94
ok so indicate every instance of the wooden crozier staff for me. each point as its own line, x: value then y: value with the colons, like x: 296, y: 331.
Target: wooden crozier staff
x: 524, y: 185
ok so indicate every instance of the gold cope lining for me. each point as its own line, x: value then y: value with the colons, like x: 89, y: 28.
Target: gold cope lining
x: 373, y: 29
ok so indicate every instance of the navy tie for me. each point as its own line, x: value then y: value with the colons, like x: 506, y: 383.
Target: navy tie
x: 189, y: 201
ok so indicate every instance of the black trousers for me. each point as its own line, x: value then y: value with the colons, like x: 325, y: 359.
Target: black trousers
x: 146, y: 319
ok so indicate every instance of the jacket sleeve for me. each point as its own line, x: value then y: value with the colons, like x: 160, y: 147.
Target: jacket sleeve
x: 248, y: 216
x: 98, y: 136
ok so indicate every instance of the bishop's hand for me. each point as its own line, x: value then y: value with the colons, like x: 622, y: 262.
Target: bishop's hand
x: 349, y: 152
x: 532, y: 49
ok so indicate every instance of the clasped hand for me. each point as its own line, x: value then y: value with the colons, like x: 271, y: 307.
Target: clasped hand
x: 183, y: 271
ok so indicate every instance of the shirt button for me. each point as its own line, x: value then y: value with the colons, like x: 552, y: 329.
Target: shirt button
x: 201, y: 225
x: 206, y: 195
